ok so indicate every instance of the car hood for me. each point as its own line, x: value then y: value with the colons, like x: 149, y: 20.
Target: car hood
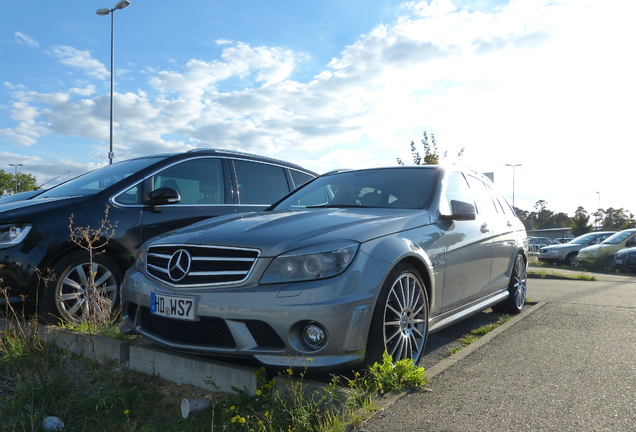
x: 279, y: 231
x: 629, y: 250
x: 22, y: 210
x: 590, y: 249
x: 564, y: 246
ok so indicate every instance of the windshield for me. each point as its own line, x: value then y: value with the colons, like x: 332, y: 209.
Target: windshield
x: 405, y: 188
x: 96, y: 181
x: 618, y: 237
x: 584, y: 239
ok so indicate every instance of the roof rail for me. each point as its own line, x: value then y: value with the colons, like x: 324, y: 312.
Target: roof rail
x: 239, y: 153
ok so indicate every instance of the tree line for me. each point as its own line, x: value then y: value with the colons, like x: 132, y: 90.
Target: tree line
x: 25, y: 182
x: 582, y: 222
x: 540, y: 218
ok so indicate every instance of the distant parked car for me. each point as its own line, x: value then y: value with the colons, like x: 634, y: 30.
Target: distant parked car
x: 536, y: 243
x: 351, y: 265
x: 566, y: 253
x: 607, y: 249
x: 145, y: 196
x: 625, y: 260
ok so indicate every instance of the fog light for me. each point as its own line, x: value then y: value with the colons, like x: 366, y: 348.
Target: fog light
x: 314, y: 335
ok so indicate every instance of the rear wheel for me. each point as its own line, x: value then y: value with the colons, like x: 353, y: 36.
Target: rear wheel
x: 400, y: 319
x: 517, y: 289
x: 81, y: 289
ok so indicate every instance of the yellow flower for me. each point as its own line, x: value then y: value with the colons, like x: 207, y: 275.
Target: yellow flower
x: 126, y: 412
x: 238, y: 419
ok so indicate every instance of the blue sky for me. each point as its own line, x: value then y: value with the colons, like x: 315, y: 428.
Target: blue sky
x: 331, y: 84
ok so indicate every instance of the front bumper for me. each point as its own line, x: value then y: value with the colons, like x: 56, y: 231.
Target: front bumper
x: 265, y: 322
x: 625, y: 262
x: 20, y: 275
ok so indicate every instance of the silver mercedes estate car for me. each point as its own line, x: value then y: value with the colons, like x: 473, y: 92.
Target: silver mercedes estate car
x: 352, y: 264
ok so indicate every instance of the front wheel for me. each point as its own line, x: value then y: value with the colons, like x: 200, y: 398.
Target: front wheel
x: 517, y: 289
x: 82, y: 289
x: 571, y: 259
x: 400, y: 319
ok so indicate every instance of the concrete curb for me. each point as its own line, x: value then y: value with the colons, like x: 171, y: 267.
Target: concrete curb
x: 98, y: 348
x: 149, y: 359
x: 188, y: 369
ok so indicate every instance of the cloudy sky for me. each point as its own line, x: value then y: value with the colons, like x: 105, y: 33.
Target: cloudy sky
x: 332, y: 84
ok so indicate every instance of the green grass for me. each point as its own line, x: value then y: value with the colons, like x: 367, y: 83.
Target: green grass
x: 47, y: 381
x: 475, y: 334
x: 105, y: 329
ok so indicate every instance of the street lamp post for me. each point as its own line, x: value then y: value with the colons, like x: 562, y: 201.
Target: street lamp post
x: 513, y: 181
x: 16, y: 175
x: 598, y: 211
x: 103, y: 12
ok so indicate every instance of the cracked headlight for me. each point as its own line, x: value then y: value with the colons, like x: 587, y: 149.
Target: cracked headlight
x: 13, y: 234
x: 313, y: 262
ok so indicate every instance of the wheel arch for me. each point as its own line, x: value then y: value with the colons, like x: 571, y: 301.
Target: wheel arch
x: 425, y: 272
x: 115, y: 250
x: 402, y: 250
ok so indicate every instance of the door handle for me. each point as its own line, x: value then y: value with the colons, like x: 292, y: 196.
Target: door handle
x: 484, y: 228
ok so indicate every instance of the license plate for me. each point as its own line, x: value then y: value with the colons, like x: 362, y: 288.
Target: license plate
x: 173, y: 307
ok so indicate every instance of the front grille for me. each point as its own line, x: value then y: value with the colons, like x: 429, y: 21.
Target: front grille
x: 208, y: 331
x: 206, y: 265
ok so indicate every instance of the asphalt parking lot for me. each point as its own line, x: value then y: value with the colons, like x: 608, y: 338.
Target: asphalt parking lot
x: 569, y: 364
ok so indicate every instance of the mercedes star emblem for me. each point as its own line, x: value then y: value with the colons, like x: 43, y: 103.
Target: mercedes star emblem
x: 179, y: 265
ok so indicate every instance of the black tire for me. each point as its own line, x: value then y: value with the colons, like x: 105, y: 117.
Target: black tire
x: 517, y: 289
x: 70, y: 296
x: 571, y: 259
x: 400, y: 319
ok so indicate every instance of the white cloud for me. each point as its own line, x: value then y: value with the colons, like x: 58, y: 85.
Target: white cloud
x: 528, y: 81
x: 82, y: 60
x: 23, y: 39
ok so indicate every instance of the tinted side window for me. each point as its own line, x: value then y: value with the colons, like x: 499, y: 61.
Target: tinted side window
x: 260, y: 183
x: 131, y: 196
x: 299, y: 178
x: 198, y: 181
x: 483, y: 198
x: 457, y: 190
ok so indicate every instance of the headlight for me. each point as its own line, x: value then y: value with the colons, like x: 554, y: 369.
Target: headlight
x: 310, y: 263
x: 140, y: 259
x: 13, y: 234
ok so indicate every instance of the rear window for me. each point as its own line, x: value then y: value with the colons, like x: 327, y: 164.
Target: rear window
x: 260, y: 183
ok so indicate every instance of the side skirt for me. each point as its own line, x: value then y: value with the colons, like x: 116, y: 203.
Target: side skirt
x: 451, y: 317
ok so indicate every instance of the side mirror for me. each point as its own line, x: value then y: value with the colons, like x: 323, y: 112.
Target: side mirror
x: 461, y: 211
x: 163, y: 196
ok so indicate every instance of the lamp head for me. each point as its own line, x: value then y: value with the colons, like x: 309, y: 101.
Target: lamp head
x: 102, y: 12
x: 122, y: 4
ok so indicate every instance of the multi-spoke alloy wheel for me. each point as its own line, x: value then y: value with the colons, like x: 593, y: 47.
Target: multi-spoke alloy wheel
x: 518, y: 289
x: 82, y: 289
x: 400, y: 322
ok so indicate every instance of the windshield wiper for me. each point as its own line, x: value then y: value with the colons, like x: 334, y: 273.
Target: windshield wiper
x: 336, y: 206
